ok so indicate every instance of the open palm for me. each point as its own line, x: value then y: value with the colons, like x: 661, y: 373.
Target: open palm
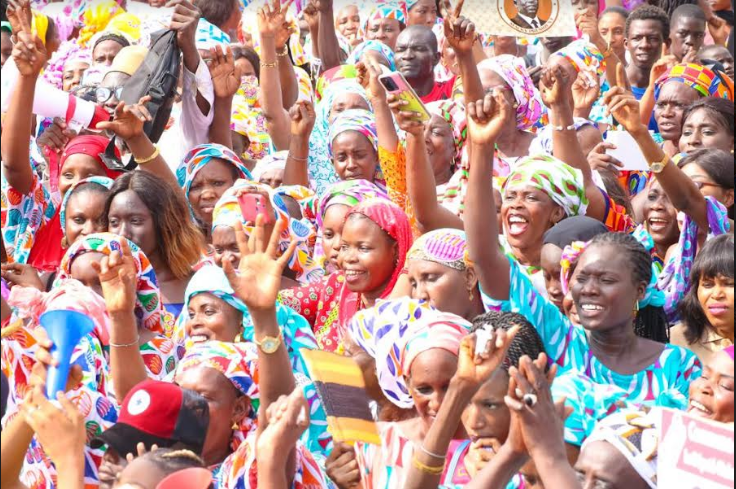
x: 475, y: 370
x: 258, y: 278
x: 225, y: 75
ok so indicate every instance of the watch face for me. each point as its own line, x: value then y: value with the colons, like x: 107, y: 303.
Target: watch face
x: 270, y: 345
x: 657, y: 168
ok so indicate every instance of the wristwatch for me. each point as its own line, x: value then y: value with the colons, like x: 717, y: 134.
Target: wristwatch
x: 659, y: 166
x: 270, y: 345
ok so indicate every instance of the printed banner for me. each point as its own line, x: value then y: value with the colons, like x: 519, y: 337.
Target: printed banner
x: 694, y: 453
x: 523, y: 18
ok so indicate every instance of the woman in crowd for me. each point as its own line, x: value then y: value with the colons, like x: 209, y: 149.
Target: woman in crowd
x: 372, y: 231
x: 82, y: 209
x: 385, y: 24
x: 150, y: 213
x: 713, y: 173
x: 676, y: 90
x: 708, y: 124
x: 706, y: 311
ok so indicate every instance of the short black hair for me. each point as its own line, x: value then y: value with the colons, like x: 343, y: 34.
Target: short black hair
x: 423, y: 29
x: 688, y: 11
x: 527, y: 341
x: 244, y: 52
x: 650, y: 12
x: 721, y: 109
x: 216, y: 12
x: 111, y: 37
x: 616, y: 10
x: 714, y: 260
x: 669, y: 6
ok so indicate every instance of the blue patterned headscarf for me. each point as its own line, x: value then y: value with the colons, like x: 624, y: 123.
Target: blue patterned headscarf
x: 358, y: 120
x: 210, y: 36
x: 376, y: 46
x: 102, y: 181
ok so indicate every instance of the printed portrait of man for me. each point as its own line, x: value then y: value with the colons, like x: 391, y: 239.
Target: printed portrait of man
x: 528, y: 14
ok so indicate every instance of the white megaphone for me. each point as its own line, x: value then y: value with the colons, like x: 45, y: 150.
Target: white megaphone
x: 51, y: 102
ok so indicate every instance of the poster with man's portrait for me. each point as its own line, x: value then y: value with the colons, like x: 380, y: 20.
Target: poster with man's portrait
x: 540, y: 18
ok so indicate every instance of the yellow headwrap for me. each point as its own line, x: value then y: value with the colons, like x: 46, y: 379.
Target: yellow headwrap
x: 40, y: 25
x: 96, y: 19
x: 126, y: 25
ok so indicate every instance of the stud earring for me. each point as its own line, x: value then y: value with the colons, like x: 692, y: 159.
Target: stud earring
x: 471, y: 296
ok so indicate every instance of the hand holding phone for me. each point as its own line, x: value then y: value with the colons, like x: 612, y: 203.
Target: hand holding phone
x: 253, y: 204
x: 396, y: 84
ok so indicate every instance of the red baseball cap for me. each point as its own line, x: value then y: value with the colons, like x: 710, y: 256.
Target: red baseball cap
x: 158, y: 413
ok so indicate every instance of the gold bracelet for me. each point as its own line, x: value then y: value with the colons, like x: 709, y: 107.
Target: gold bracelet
x: 269, y: 65
x: 283, y: 53
x: 659, y: 166
x: 438, y: 470
x: 155, y: 155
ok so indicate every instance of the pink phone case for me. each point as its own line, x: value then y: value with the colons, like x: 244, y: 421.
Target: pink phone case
x: 405, y: 92
x: 251, y: 205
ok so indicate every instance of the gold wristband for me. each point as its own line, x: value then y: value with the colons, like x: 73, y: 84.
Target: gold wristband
x: 283, y: 54
x: 269, y: 65
x: 437, y: 470
x: 155, y: 155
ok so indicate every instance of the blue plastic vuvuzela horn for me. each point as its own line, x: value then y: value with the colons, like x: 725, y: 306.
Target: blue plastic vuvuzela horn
x: 65, y: 329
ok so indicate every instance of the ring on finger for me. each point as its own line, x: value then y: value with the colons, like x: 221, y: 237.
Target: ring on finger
x: 530, y: 400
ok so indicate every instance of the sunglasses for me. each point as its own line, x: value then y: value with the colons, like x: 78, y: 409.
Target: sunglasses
x: 102, y: 94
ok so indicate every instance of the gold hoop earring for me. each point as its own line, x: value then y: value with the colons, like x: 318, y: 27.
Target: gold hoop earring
x: 637, y: 308
x: 472, y: 295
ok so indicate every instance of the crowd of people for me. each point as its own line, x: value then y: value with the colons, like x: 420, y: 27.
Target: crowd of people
x: 521, y: 303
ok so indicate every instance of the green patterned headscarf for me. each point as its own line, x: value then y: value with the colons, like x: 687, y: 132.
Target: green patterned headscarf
x: 564, y: 184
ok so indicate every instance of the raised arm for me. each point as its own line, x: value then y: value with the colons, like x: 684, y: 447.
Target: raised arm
x: 587, y: 22
x: 303, y: 117
x: 29, y: 54
x: 287, y: 76
x: 117, y: 274
x: 421, y: 184
x: 682, y: 191
x: 329, y: 47
x: 486, y: 119
x: 269, y: 25
x: 462, y: 37
x: 556, y: 90
x: 226, y: 81
x: 128, y: 125
x: 473, y: 371
x: 311, y: 15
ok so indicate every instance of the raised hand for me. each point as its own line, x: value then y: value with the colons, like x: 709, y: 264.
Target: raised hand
x: 303, y: 117
x: 587, y: 22
x: 488, y: 117
x: 20, y: 16
x: 129, y: 120
x: 408, y: 122
x: 368, y: 74
x: 258, y: 278
x: 288, y: 418
x: 311, y: 15
x: 324, y: 5
x: 22, y: 275
x: 44, y: 361
x: 56, y: 136
x: 224, y: 73
x: 663, y: 65
x: 29, y: 54
x: 118, y: 276
x: 184, y: 20
x: 585, y: 91
x: 600, y: 161
x: 530, y: 397
x: 61, y: 431
x: 342, y: 466
x: 459, y: 31
x: 476, y: 364
x: 555, y: 87
x: 622, y: 104
x: 272, y: 22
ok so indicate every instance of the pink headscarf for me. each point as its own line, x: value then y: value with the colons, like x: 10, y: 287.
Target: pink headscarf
x: 434, y: 331
x: 69, y: 295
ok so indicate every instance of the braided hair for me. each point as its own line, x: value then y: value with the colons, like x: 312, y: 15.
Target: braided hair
x: 526, y: 343
x: 651, y: 322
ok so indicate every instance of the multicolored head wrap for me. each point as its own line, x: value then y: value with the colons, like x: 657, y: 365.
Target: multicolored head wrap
x: 675, y: 278
x: 275, y: 161
x: 636, y: 435
x: 126, y: 25
x: 561, y: 182
x: 584, y: 56
x: 350, y: 194
x: 514, y: 73
x: 321, y: 170
x: 705, y: 81
x: 68, y: 294
x: 342, y: 72
x: 448, y: 247
x: 381, y: 331
x: 453, y: 112
x: 94, y: 18
x: 248, y: 120
x: 148, y: 308
x: 228, y: 213
x: 388, y: 10
x: 212, y: 280
x: 68, y: 52
x: 237, y: 362
x: 101, y: 181
x: 358, y: 120
x: 210, y: 36
x: 376, y: 46
x: 202, y: 155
